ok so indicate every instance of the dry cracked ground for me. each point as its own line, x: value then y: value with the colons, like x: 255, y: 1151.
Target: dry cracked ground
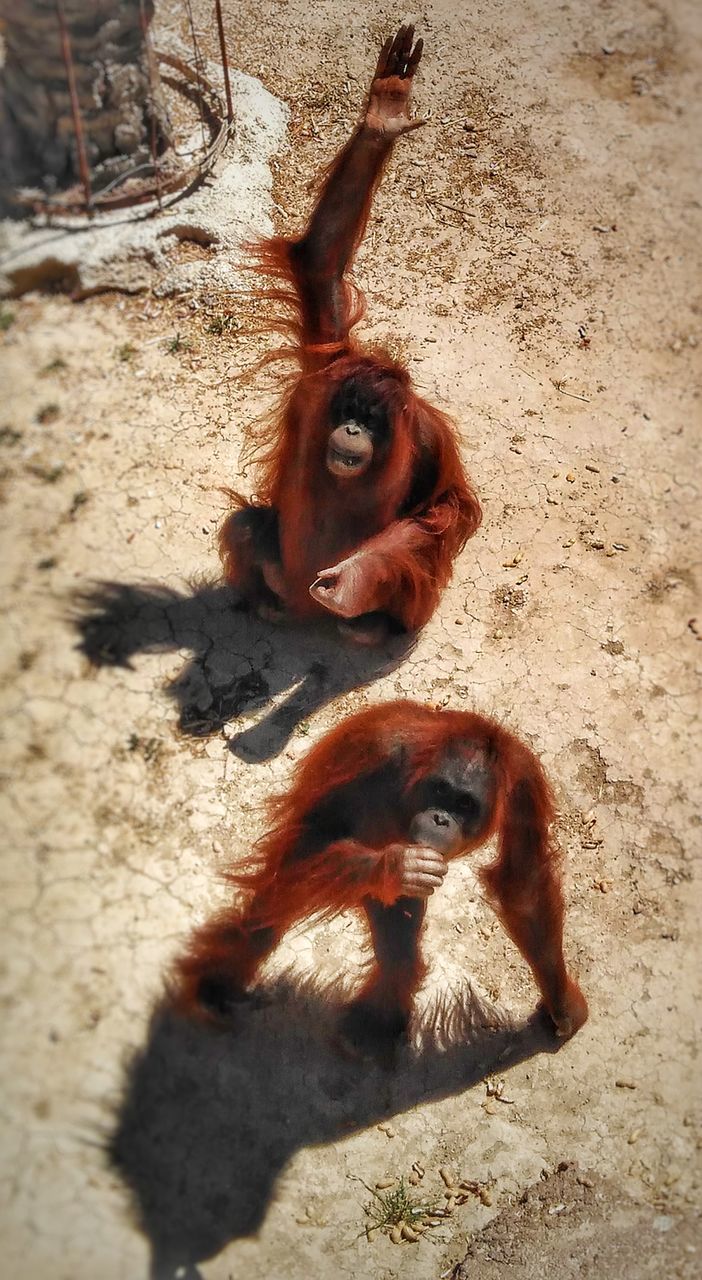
x: 540, y: 274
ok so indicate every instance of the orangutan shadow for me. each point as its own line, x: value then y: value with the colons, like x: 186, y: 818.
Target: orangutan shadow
x: 239, y: 663
x: 210, y: 1118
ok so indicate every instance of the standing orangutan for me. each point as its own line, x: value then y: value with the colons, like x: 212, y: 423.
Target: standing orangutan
x: 375, y: 813
x: 362, y: 504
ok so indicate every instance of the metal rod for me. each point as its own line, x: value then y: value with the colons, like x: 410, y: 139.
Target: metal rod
x: 152, y: 87
x: 75, y: 105
x: 198, y: 59
x: 225, y: 60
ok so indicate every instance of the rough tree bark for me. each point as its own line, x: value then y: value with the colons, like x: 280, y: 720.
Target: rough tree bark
x: 120, y: 103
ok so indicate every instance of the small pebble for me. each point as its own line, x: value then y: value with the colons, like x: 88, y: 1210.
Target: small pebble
x: 383, y: 1186
x: 469, y: 126
x: 621, y: 1083
x: 570, y: 478
x: 485, y: 1195
x: 396, y: 1235
x: 663, y: 1222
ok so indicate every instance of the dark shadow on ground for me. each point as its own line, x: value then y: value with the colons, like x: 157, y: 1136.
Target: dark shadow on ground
x: 239, y: 663
x: 210, y: 1118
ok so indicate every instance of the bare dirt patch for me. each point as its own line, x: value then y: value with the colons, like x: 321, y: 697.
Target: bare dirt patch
x: 543, y: 291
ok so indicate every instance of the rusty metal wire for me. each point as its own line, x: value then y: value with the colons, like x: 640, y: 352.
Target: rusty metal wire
x: 67, y: 53
x: 152, y: 106
x: 225, y: 59
x: 199, y: 61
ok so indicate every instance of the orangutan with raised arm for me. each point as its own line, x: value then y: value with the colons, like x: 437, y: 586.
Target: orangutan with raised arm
x: 361, y: 502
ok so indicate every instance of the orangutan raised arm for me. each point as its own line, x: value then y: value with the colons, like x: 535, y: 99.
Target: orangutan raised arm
x: 322, y: 255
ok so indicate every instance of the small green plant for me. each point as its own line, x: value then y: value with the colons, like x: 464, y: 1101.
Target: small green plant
x: 48, y: 475
x: 178, y: 343
x: 222, y: 324
x: 54, y: 366
x: 398, y: 1212
x: 47, y: 413
x: 6, y: 319
x: 126, y: 352
x: 149, y: 748
x: 9, y: 436
x: 79, y: 500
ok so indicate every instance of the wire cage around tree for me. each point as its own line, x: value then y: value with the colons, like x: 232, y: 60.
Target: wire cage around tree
x: 199, y: 117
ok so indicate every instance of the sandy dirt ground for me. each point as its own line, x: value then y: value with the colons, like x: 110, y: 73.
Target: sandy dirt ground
x: 540, y: 273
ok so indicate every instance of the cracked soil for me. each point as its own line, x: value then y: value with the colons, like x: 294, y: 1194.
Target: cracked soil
x: 538, y: 272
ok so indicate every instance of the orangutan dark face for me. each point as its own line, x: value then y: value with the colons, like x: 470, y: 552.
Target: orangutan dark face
x: 360, y: 431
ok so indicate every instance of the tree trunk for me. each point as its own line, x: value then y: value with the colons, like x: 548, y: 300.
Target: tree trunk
x: 121, y: 109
